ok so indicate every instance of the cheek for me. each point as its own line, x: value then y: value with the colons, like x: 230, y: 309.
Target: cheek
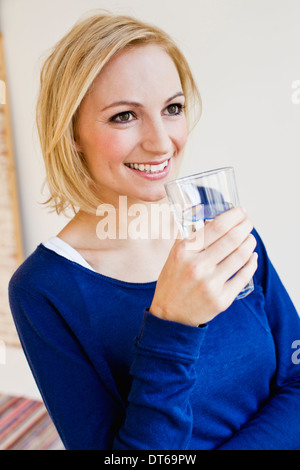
x: 181, y: 135
x: 107, y: 147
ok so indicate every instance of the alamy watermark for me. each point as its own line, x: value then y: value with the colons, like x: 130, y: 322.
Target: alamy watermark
x: 295, y: 96
x: 149, y: 222
x: 136, y: 221
x: 296, y: 353
x: 2, y: 353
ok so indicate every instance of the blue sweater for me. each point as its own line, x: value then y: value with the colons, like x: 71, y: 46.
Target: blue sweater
x: 113, y: 376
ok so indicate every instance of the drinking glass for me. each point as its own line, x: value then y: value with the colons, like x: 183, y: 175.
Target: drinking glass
x: 199, y: 198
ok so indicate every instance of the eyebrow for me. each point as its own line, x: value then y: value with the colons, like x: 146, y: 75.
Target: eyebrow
x: 138, y: 105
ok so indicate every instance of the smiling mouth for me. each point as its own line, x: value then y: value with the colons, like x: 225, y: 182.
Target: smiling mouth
x: 147, y: 168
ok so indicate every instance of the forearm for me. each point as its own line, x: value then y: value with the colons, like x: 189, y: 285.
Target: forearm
x: 159, y: 414
x: 275, y: 427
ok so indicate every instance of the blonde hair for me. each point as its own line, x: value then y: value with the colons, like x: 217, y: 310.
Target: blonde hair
x: 67, y: 76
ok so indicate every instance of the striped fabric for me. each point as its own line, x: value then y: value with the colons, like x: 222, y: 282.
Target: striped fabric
x: 26, y: 425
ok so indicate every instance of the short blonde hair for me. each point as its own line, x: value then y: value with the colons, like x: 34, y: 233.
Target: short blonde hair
x: 67, y: 76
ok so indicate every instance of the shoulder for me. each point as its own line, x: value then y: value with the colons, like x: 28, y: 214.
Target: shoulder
x: 260, y: 247
x: 46, y: 285
x: 40, y: 270
x: 266, y: 275
x: 263, y: 263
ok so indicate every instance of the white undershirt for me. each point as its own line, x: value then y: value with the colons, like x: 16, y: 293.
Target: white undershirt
x: 64, y: 249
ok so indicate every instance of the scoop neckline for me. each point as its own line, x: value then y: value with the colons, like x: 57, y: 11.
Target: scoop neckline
x: 104, y: 277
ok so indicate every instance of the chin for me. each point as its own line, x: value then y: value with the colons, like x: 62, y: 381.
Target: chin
x: 156, y: 196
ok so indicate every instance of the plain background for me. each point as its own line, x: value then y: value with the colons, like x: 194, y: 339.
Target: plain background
x: 245, y: 55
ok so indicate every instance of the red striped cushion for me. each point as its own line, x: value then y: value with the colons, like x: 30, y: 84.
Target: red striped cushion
x: 26, y: 425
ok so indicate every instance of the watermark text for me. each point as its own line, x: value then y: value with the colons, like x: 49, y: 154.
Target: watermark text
x: 136, y: 221
x: 296, y: 353
x: 295, y: 97
x: 154, y: 221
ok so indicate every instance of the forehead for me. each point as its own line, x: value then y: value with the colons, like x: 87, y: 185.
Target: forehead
x: 137, y: 71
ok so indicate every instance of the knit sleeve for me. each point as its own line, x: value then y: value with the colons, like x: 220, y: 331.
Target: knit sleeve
x: 159, y: 414
x: 276, y: 426
x: 85, y: 411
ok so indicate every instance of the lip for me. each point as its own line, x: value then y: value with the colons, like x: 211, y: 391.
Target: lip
x: 153, y: 176
x: 152, y: 162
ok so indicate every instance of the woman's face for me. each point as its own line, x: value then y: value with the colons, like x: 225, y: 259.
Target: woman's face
x: 132, y: 127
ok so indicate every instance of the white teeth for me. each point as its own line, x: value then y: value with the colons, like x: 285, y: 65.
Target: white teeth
x: 160, y: 167
x: 148, y: 168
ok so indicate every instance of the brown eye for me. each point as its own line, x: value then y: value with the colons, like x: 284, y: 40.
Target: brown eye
x: 174, y: 109
x: 123, y: 117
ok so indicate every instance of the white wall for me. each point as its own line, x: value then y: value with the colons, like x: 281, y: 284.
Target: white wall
x: 245, y: 56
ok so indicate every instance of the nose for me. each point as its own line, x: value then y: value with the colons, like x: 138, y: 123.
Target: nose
x: 155, y: 138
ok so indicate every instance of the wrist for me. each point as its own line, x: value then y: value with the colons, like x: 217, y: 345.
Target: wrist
x: 160, y: 312
x: 157, y: 311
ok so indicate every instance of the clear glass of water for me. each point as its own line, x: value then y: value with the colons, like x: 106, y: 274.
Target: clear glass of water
x: 199, y: 198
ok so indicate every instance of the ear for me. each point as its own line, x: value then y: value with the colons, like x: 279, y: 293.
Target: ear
x: 77, y: 146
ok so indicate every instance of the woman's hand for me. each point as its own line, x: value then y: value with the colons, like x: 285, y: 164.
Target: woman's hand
x: 195, y: 286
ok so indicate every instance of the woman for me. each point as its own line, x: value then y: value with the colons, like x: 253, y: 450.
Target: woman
x: 137, y: 343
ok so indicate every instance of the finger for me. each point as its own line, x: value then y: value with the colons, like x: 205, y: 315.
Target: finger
x: 222, y: 224
x: 238, y: 282
x: 195, y: 242
x: 236, y: 260
x: 231, y: 241
x: 212, y: 231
